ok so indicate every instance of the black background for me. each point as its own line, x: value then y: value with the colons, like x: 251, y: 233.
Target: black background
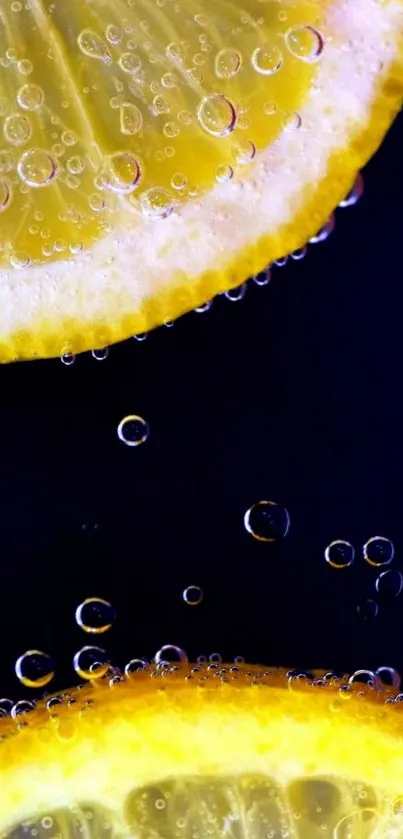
x: 293, y: 394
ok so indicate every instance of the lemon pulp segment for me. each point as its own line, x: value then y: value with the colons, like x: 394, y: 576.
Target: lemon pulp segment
x: 154, y: 153
x: 195, y: 751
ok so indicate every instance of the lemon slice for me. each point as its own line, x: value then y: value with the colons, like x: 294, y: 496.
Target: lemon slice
x: 218, y: 751
x: 156, y: 152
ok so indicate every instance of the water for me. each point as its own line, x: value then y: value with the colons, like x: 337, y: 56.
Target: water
x: 267, y: 521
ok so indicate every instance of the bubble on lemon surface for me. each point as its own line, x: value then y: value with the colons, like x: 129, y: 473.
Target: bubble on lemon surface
x: 95, y: 615
x: 228, y: 63
x: 305, y: 43
x: 267, y: 59
x: 37, y: 168
x: 378, y: 551
x: 34, y: 669
x: 267, y: 521
x: 91, y: 662
x: 339, y: 554
x: 133, y: 430
x: 22, y: 707
x: 389, y: 676
x: 170, y: 654
x: 101, y: 354
x: 134, y: 665
x: 192, y: 595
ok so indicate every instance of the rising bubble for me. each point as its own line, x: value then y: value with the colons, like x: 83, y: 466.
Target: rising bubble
x: 378, y: 551
x: 133, y: 430
x: 34, y: 669
x: 193, y: 595
x: 267, y: 521
x: 95, y: 615
x: 170, y: 653
x: 389, y: 584
x: 339, y: 554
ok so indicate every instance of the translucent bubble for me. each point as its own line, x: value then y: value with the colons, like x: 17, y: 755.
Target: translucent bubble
x: 113, y: 34
x: 389, y: 676
x: 37, y: 168
x: 355, y: 193
x: 179, y: 181
x: 92, y: 45
x: 215, y: 658
x: 91, y: 662
x: 324, y: 232
x: 193, y: 595
x: 389, y: 584
x: 131, y: 118
x: 5, y: 195
x: 339, y: 554
x: 5, y: 706
x: 170, y: 653
x: 67, y: 359
x: 22, y: 707
x: 305, y: 43
x: 30, y: 97
x: 267, y: 59
x: 95, y: 615
x: 378, y: 551
x: 141, y: 336
x: 134, y: 665
x: 228, y: 63
x: 100, y: 355
x: 34, y: 669
x: 133, y: 430
x: 366, y: 677
x: 368, y: 609
x: 267, y: 521
x: 217, y: 115
x: 244, y: 152
x: 263, y: 278
x: 157, y: 203
x: 130, y: 63
x: 236, y: 294
x: 17, y: 129
x: 121, y: 172
x: 224, y: 173
x: 205, y: 307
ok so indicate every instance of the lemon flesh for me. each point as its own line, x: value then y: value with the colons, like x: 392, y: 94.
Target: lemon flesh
x: 157, y: 152
x: 218, y: 751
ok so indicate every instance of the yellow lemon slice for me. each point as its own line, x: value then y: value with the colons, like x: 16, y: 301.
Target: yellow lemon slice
x: 220, y: 751
x: 156, y: 152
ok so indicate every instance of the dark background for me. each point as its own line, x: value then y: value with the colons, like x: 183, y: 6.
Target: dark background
x: 293, y: 394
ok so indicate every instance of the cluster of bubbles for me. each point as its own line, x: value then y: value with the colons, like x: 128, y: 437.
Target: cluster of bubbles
x: 378, y: 552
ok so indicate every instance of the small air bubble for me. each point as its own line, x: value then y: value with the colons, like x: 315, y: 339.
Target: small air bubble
x: 95, y: 615
x: 192, y: 595
x: 170, y: 653
x: 100, y: 355
x: 267, y: 59
x: 133, y: 430
x: 217, y: 115
x: 378, y: 551
x: 91, y: 662
x: 267, y: 521
x: 339, y: 554
x: 34, y: 669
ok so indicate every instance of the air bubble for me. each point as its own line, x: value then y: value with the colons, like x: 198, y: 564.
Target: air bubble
x: 130, y: 63
x: 228, y: 63
x: 30, y: 97
x: 192, y: 595
x: 236, y: 294
x: 100, y: 355
x: 389, y: 584
x: 134, y: 665
x: 24, y: 706
x: 133, y: 430
x: 339, y: 554
x: 121, y: 173
x: 170, y: 653
x: 224, y: 173
x: 263, y: 278
x: 157, y: 203
x: 217, y: 115
x: 5, y: 195
x: 67, y: 358
x: 179, y: 181
x: 34, y: 669
x: 37, y: 168
x: 113, y: 34
x: 95, y: 615
x: 267, y: 59
x: 92, y: 45
x: 355, y: 193
x: 131, y: 119
x: 368, y: 609
x: 305, y: 43
x: 378, y: 551
x: 17, y: 129
x: 267, y: 521
x: 244, y: 153
x: 389, y: 676
x: 91, y: 662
